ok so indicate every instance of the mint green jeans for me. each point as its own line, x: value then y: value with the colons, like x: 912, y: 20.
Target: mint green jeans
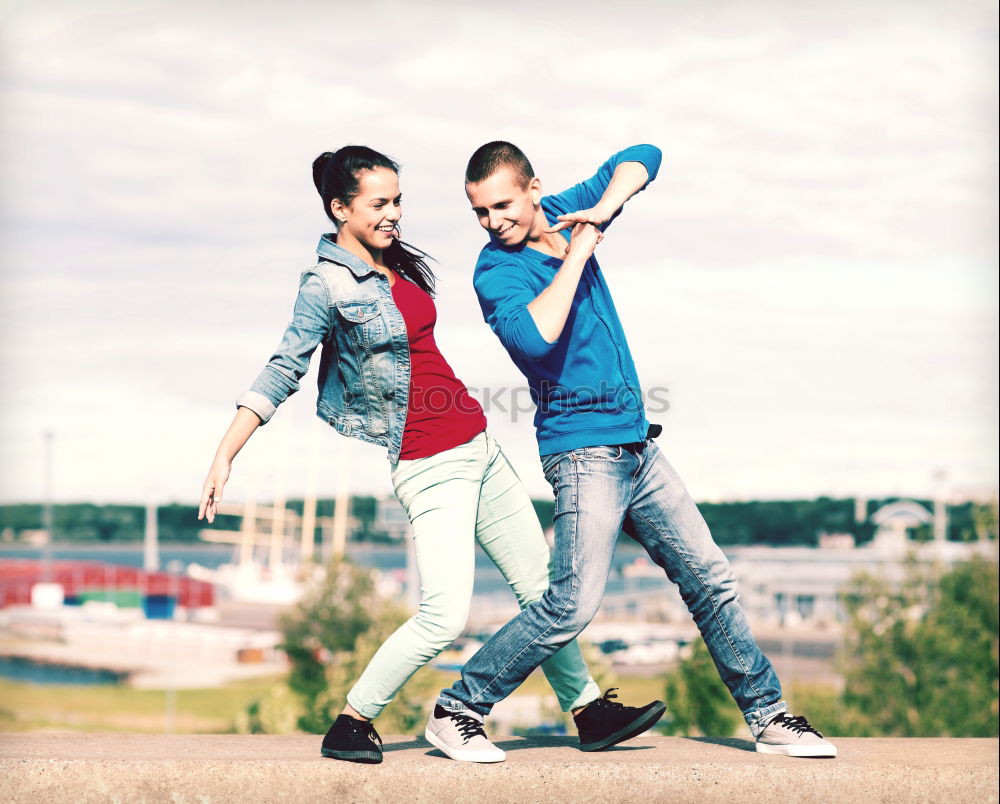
x: 467, y: 493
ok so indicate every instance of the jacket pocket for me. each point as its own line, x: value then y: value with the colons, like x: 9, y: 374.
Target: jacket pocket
x: 365, y: 336
x: 363, y: 323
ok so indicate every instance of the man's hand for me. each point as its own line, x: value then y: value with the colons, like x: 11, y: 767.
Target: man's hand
x: 627, y: 180
x: 597, y: 216
x: 583, y: 240
x: 550, y: 308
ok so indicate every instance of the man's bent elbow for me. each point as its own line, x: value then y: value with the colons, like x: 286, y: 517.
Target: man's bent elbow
x: 528, y: 346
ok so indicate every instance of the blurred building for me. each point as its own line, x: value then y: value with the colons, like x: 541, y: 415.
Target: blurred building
x: 391, y: 519
x: 790, y: 585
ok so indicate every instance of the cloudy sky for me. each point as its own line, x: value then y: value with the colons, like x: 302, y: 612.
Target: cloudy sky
x: 813, y: 275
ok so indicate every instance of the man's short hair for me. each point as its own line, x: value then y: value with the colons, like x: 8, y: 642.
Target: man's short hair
x: 493, y: 156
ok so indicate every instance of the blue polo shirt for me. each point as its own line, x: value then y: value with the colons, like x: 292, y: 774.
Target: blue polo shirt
x: 584, y: 385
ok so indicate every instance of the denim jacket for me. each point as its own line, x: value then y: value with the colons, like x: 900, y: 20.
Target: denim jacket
x: 364, y: 370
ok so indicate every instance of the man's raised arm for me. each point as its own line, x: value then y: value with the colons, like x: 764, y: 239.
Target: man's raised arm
x: 628, y: 179
x: 551, y: 307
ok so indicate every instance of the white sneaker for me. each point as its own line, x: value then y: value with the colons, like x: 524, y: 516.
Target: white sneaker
x: 793, y: 737
x: 461, y: 736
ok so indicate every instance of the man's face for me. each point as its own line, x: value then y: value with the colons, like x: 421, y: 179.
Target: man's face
x: 504, y: 208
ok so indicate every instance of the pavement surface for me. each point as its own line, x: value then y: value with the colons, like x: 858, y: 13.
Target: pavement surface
x: 222, y: 768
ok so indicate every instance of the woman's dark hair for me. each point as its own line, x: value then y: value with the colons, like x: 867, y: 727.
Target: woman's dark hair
x: 338, y: 175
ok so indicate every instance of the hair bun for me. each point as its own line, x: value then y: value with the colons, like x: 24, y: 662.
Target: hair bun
x: 319, y: 166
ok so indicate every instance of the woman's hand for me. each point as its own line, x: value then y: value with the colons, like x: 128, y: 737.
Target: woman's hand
x: 244, y: 423
x: 211, y: 492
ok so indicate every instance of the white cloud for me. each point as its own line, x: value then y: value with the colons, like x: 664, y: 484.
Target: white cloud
x: 820, y: 243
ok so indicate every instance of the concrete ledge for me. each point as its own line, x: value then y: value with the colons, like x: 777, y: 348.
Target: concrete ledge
x: 223, y: 768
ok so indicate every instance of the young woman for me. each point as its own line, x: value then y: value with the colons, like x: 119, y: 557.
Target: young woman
x: 368, y: 305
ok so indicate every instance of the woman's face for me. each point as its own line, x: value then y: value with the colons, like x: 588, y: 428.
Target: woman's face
x: 372, y: 217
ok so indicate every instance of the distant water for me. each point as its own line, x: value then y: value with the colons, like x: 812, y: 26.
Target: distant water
x: 173, y: 558
x: 489, y: 585
x: 32, y: 672
x: 387, y: 558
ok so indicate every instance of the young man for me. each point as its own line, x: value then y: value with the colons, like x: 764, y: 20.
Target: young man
x: 544, y: 295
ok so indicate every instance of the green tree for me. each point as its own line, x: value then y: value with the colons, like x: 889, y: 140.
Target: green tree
x: 921, y: 656
x: 698, y: 703
x: 278, y: 712
x: 330, y: 637
x: 984, y: 522
x: 326, y: 623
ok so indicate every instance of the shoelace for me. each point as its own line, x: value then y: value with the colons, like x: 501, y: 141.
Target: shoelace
x: 365, y: 727
x: 467, y: 725
x: 605, y: 700
x: 797, y: 724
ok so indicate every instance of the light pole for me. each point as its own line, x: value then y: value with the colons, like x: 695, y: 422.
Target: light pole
x: 48, y: 523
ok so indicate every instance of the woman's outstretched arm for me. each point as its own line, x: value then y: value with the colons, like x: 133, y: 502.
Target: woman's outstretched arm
x: 278, y: 380
x: 244, y: 423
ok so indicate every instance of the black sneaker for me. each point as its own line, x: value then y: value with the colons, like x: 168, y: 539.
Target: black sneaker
x: 604, y: 722
x: 353, y: 740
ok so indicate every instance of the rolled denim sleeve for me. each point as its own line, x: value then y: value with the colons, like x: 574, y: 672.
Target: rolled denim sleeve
x: 310, y: 326
x: 504, y: 297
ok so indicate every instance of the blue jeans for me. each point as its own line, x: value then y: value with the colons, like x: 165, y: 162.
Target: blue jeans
x: 454, y: 499
x: 599, y: 491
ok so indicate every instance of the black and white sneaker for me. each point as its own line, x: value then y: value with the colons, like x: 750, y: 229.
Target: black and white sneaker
x: 353, y: 740
x: 461, y: 736
x: 793, y: 737
x: 604, y: 722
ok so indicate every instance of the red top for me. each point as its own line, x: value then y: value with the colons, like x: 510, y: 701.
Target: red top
x: 442, y: 413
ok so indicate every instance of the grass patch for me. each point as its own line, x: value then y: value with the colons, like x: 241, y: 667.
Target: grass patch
x: 634, y: 691
x: 114, y: 708
x: 33, y: 707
